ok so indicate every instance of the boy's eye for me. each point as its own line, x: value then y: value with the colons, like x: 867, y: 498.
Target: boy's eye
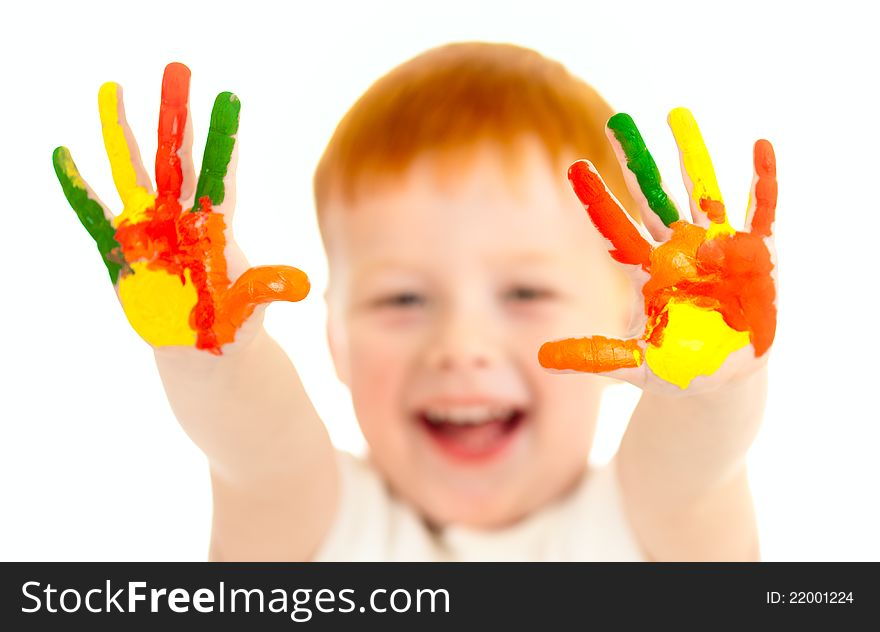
x: 524, y: 293
x: 403, y: 299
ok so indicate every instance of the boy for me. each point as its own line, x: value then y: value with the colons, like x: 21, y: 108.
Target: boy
x: 455, y: 250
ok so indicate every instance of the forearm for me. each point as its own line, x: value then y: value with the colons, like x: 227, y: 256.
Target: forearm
x: 718, y: 526
x: 273, y: 469
x: 282, y: 518
x: 682, y: 469
x: 244, y: 409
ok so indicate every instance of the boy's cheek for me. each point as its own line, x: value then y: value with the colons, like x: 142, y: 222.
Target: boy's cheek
x: 375, y: 376
x: 379, y: 374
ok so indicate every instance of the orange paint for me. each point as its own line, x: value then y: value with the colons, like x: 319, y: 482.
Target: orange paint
x: 175, y: 241
x: 765, y: 189
x: 714, y: 210
x: 593, y: 355
x: 222, y: 309
x: 730, y: 274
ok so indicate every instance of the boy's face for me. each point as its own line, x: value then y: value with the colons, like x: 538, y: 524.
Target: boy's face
x: 444, y: 283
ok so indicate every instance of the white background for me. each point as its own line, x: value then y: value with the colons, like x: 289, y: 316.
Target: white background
x: 93, y: 465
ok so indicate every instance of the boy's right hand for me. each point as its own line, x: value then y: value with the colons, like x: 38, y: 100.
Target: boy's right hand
x: 170, y: 254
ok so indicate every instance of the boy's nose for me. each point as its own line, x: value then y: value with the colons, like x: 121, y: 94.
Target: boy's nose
x: 448, y: 359
x: 462, y: 345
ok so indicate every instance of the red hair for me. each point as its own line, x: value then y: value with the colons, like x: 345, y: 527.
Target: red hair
x: 454, y: 96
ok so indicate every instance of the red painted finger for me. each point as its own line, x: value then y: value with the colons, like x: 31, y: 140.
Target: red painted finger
x: 172, y: 128
x: 628, y: 245
x: 596, y: 354
x: 763, y: 213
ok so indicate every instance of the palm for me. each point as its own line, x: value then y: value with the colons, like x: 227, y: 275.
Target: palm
x: 707, y: 292
x: 166, y: 252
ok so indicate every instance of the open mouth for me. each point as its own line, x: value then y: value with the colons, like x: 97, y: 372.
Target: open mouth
x: 472, y: 433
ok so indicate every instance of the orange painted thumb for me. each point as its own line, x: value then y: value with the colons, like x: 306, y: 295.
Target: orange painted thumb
x: 596, y: 354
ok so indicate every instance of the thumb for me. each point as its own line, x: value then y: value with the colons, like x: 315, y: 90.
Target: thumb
x: 263, y: 284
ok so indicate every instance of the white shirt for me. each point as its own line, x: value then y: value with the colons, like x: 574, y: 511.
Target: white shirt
x: 373, y: 525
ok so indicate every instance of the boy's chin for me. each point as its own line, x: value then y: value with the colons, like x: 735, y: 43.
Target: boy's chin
x: 483, y: 507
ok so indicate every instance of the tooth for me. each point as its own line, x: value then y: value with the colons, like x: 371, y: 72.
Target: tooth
x: 465, y: 415
x: 481, y: 414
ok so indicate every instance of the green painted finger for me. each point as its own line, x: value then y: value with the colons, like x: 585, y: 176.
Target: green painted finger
x: 218, y: 150
x: 643, y: 167
x: 89, y: 210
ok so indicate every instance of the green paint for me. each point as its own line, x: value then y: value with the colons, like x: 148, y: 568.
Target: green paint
x: 218, y: 149
x: 89, y: 211
x: 643, y: 167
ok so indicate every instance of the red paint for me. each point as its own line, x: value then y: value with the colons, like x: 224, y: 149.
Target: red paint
x: 175, y: 241
x: 730, y: 274
x: 172, y: 124
x: 765, y: 189
x: 611, y: 220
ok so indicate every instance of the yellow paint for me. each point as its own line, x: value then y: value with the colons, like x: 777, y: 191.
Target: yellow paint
x: 637, y: 355
x: 70, y: 170
x: 698, y: 165
x: 158, y: 305
x: 715, y: 229
x: 695, y: 342
x: 136, y: 199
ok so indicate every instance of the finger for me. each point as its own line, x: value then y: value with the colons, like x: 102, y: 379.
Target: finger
x: 762, y: 199
x: 173, y: 125
x: 627, y: 243
x: 217, y: 176
x: 92, y: 213
x: 595, y: 354
x: 129, y: 175
x: 707, y: 206
x: 264, y: 284
x: 642, y: 176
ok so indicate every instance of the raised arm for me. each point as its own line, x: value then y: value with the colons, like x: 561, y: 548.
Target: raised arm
x: 705, y: 322
x: 171, y: 258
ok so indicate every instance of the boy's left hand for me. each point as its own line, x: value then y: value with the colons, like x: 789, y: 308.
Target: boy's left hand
x: 706, y: 310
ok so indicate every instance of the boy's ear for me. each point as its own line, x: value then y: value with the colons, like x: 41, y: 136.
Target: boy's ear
x: 338, y: 343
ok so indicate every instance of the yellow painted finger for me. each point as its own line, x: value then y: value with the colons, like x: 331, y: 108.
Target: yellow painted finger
x: 697, y: 165
x: 125, y: 162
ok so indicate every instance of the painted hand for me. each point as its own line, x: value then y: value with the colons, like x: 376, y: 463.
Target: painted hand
x: 707, y: 305
x: 170, y: 254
